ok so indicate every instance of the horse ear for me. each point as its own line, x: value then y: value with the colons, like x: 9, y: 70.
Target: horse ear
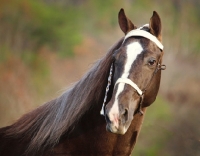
x: 125, y: 24
x: 155, y: 25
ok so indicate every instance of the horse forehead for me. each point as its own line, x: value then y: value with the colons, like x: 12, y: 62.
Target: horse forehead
x: 132, y: 51
x: 136, y: 45
x: 133, y: 48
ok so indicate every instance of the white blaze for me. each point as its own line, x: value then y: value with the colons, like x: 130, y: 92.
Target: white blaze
x: 132, y: 51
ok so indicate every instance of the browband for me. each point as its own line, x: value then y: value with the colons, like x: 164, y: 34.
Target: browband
x: 142, y: 33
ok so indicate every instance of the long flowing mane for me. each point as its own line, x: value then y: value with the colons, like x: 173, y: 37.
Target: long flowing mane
x: 43, y: 127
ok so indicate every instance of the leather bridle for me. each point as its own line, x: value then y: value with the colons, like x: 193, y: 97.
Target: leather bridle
x: 159, y: 66
x: 139, y: 91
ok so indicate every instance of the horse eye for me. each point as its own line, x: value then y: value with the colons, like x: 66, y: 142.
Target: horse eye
x: 151, y: 62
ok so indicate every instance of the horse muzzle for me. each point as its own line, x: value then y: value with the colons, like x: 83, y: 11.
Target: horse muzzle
x: 118, y: 123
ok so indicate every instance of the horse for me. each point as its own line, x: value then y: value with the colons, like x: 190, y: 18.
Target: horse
x: 102, y: 113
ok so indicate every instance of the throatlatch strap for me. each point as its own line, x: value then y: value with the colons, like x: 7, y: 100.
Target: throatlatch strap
x: 131, y: 83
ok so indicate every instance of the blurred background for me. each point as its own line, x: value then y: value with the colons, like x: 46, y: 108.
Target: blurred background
x: 45, y: 45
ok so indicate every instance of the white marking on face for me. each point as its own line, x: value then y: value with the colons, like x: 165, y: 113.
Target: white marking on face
x: 132, y: 51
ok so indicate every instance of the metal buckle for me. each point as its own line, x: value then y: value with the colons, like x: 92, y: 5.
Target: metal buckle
x: 162, y: 67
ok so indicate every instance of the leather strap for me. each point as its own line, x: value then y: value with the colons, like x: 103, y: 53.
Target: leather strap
x: 131, y: 83
x: 142, y: 33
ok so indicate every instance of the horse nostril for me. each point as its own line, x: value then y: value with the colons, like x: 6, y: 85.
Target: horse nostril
x: 125, y: 114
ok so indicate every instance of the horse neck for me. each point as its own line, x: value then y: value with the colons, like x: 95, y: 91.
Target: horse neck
x: 90, y: 135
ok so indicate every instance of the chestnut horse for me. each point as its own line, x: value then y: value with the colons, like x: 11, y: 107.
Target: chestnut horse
x: 121, y: 84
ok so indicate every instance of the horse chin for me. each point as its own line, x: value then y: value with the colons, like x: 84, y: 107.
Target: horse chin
x: 121, y: 130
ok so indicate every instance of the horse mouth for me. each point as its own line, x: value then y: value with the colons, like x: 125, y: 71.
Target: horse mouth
x: 120, y: 130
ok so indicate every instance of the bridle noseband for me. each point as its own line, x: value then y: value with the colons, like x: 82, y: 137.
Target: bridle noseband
x: 136, y: 32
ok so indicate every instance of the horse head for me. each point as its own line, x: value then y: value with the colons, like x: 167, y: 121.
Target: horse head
x: 136, y: 72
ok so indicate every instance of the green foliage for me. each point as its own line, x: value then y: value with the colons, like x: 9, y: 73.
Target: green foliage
x: 98, y: 17
x: 5, y: 54
x: 33, y: 24
x: 57, y: 26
